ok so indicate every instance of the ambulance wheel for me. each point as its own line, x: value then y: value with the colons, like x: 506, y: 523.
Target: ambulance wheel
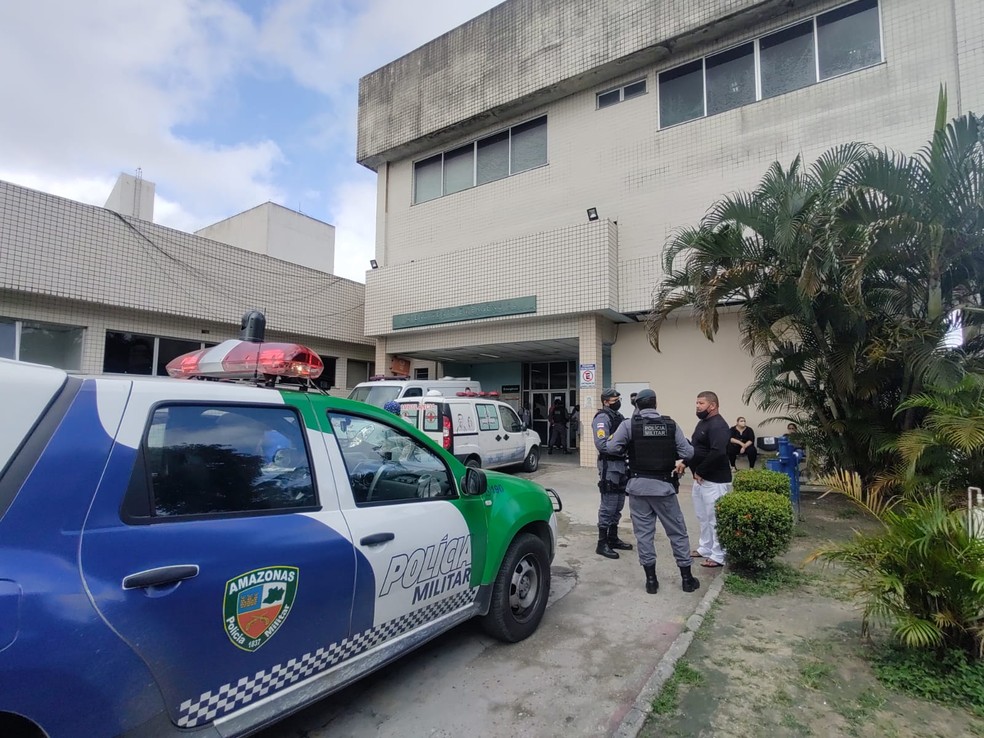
x: 519, y: 594
x: 532, y: 461
x: 473, y: 462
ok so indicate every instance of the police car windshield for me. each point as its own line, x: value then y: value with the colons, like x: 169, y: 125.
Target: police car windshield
x: 377, y: 396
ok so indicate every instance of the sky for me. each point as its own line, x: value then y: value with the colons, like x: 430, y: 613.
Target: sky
x: 223, y: 104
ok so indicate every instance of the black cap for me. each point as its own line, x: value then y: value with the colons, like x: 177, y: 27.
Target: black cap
x: 646, y: 395
x: 610, y: 394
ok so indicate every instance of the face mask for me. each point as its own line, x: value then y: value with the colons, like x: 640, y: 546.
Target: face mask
x: 616, y: 405
x: 703, y: 414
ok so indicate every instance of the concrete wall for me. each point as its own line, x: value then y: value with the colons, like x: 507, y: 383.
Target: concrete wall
x: 654, y: 181
x: 275, y: 231
x: 132, y: 196
x: 525, y: 53
x: 687, y: 364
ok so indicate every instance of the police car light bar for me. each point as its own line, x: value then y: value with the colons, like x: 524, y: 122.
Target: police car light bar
x: 244, y: 360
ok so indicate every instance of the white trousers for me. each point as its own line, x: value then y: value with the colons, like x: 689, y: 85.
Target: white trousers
x: 705, y: 495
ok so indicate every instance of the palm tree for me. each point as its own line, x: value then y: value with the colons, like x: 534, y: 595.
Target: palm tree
x: 847, y: 276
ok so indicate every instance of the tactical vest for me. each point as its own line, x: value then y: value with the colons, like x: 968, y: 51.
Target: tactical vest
x: 558, y: 413
x: 652, y: 450
x: 614, y: 421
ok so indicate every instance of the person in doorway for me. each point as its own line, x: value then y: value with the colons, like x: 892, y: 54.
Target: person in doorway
x: 576, y: 427
x: 712, y: 475
x: 558, y: 419
x: 612, y: 476
x: 656, y: 446
x: 525, y: 417
x: 742, y: 444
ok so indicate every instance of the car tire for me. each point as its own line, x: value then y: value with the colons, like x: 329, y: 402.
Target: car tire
x: 520, y: 590
x: 532, y: 461
x: 473, y: 462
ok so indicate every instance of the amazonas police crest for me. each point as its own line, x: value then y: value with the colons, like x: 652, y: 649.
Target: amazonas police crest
x: 257, y: 603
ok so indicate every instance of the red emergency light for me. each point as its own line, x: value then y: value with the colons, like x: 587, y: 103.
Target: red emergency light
x: 244, y: 360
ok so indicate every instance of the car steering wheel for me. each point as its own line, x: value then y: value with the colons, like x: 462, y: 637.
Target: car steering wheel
x: 375, y: 479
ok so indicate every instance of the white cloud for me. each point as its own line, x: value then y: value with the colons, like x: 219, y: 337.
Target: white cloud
x: 103, y: 86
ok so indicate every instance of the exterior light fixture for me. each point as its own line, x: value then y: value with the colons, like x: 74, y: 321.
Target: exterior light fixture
x: 592, y: 213
x: 374, y: 264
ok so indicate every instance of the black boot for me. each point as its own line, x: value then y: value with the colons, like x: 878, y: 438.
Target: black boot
x: 688, y: 580
x: 615, y: 542
x: 603, y: 548
x: 652, y: 583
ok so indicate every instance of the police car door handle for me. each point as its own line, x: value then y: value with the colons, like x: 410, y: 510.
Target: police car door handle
x: 376, y: 538
x: 160, y: 576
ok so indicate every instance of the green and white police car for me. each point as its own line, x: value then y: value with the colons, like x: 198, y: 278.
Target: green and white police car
x: 185, y: 557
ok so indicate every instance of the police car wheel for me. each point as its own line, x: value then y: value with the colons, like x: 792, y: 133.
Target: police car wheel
x: 519, y: 594
x: 532, y: 461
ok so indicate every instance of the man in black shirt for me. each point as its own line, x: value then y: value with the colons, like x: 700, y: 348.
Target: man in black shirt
x: 712, y: 475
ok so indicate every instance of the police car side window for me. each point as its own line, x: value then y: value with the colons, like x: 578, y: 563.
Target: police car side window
x: 386, y: 465
x: 222, y: 459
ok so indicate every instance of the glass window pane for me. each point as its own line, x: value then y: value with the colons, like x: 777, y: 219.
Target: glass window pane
x: 427, y: 179
x: 681, y: 94
x: 510, y: 421
x: 493, y: 158
x: 221, y: 459
x: 529, y: 145
x: 55, y: 345
x: 327, y: 379
x: 731, y: 79
x: 787, y: 60
x: 848, y: 38
x: 558, y: 375
x: 8, y: 339
x: 386, y: 466
x: 488, y: 418
x: 538, y: 376
x: 128, y: 353
x: 172, y: 348
x: 606, y: 99
x: 634, y: 90
x: 459, y: 169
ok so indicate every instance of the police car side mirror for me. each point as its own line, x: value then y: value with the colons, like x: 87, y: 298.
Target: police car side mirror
x: 474, y: 482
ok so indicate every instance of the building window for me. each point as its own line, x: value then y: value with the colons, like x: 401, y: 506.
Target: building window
x: 730, y: 79
x: 625, y: 92
x: 848, y: 38
x: 787, y: 60
x: 357, y: 371
x: 136, y: 353
x: 327, y: 378
x: 41, y: 343
x: 681, y: 94
x: 839, y: 41
x: 421, y: 372
x: 515, y: 150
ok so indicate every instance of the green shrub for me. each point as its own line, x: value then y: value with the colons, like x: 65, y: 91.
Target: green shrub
x: 762, y: 480
x: 923, y: 575
x: 754, y: 527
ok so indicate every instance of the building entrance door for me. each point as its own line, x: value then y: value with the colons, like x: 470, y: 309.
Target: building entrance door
x: 542, y: 383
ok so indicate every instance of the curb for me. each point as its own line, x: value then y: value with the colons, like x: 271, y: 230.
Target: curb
x: 635, y: 718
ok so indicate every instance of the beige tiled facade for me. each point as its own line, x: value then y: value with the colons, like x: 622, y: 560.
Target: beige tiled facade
x: 66, y: 263
x: 528, y: 235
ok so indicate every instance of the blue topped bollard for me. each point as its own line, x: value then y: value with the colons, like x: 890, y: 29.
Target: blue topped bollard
x: 788, y: 463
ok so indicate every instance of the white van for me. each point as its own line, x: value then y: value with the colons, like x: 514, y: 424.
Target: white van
x: 380, y: 390
x: 480, y: 431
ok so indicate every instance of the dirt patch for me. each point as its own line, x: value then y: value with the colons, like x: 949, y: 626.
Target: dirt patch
x: 793, y: 663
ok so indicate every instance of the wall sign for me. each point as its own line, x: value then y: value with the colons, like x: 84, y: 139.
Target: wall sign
x: 588, y: 375
x: 476, y: 311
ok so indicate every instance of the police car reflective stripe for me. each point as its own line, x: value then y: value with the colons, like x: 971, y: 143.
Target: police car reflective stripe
x: 234, y: 695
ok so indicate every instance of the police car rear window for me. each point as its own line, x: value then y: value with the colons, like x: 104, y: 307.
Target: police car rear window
x: 215, y: 459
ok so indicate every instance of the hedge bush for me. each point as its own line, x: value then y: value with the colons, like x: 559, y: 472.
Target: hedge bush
x: 762, y: 480
x: 754, y: 527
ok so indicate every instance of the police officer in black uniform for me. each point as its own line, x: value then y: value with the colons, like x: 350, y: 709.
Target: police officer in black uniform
x: 612, y: 476
x: 654, y: 444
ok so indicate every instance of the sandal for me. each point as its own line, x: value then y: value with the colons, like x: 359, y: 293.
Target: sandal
x: 695, y: 554
x: 710, y: 564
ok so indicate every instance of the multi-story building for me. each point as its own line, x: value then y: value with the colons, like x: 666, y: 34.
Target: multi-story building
x: 533, y: 162
x: 105, y: 289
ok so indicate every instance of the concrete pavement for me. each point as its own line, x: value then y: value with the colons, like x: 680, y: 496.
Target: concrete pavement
x: 603, y: 649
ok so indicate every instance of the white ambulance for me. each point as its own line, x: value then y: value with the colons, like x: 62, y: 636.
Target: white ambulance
x: 478, y: 429
x: 380, y: 390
